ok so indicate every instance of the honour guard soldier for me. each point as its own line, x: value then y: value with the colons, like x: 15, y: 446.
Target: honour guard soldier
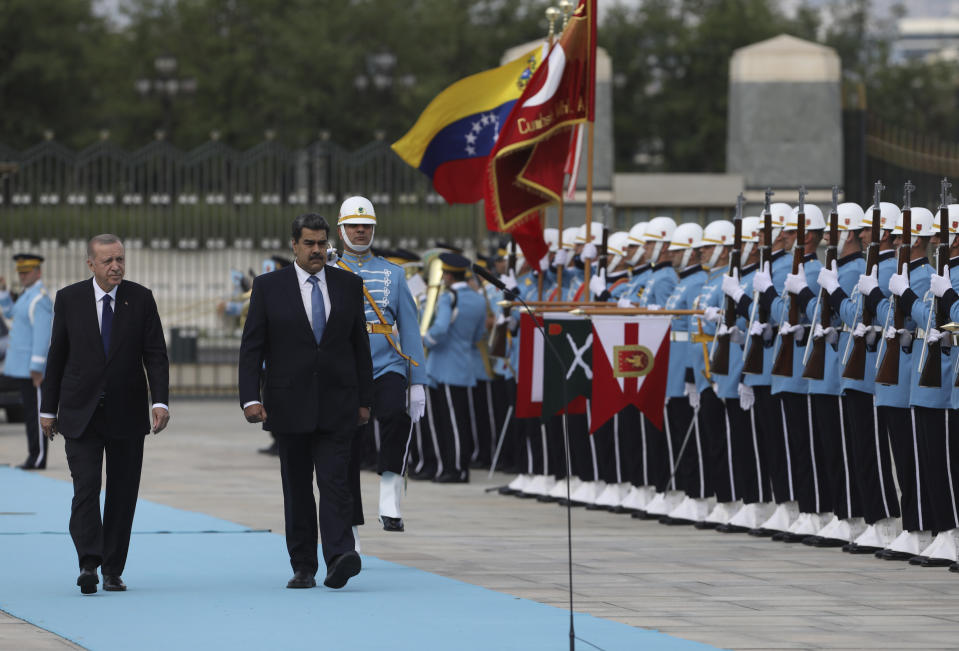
x: 459, y: 324
x: 399, y: 372
x: 32, y: 317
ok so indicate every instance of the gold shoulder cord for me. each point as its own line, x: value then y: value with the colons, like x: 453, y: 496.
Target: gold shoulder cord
x: 382, y: 328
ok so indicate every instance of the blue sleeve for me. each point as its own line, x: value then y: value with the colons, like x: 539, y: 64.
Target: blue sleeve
x: 6, y: 304
x: 42, y: 325
x: 920, y: 313
x: 410, y: 341
x: 441, y: 322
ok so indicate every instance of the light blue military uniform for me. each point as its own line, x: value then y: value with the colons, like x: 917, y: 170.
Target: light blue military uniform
x: 453, y: 336
x: 850, y: 268
x: 684, y: 294
x: 32, y: 319
x: 780, y: 265
x: 386, y: 284
x: 710, y: 295
x: 659, y: 285
x: 779, y: 312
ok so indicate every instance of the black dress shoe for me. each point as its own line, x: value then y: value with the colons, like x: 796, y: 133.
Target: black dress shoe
x: 793, y: 537
x: 919, y: 560
x: 545, y: 498
x: 706, y: 525
x: 732, y: 528
x: 421, y: 475
x: 890, y: 555
x: 342, y: 569
x: 273, y: 449
x: 506, y: 490
x: 936, y: 562
x: 392, y: 524
x: 954, y: 567
x: 759, y: 532
x: 113, y: 583
x: 88, y: 581
x: 452, y: 478
x: 665, y: 519
x: 31, y: 464
x: 301, y: 579
x: 863, y: 549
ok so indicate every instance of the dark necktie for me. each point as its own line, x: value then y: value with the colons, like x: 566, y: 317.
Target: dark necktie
x: 106, y: 323
x: 318, y: 309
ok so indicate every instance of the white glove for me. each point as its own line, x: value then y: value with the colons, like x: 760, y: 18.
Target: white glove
x: 795, y: 283
x: 860, y: 330
x: 757, y: 328
x: 332, y: 257
x: 509, y: 279
x: 711, y: 314
x: 735, y: 334
x: 869, y: 282
x: 798, y: 329
x: 589, y: 252
x: 829, y: 278
x: 933, y: 335
x: 544, y: 263
x: 690, y: 391
x: 731, y: 286
x: 597, y: 284
x: 747, y: 397
x: 763, y: 279
x: 891, y: 332
x: 624, y: 302
x: 653, y: 306
x: 561, y: 259
x: 898, y: 284
x: 818, y: 332
x: 417, y: 402
x: 939, y: 284
x: 500, y: 318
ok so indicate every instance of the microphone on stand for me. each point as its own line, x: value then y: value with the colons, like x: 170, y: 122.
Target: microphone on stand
x: 496, y: 282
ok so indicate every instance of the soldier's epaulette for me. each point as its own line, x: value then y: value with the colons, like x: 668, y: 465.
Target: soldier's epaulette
x: 392, y: 265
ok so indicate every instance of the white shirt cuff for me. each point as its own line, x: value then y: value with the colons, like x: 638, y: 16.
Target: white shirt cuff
x: 252, y: 402
x: 45, y: 415
x: 160, y: 404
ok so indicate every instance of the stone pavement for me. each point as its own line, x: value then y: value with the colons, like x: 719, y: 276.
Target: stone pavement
x: 730, y: 591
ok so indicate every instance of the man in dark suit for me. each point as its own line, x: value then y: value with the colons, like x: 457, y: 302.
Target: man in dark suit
x: 307, y: 322
x: 106, y: 331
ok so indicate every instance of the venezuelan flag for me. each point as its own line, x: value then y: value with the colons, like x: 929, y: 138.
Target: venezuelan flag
x: 454, y: 135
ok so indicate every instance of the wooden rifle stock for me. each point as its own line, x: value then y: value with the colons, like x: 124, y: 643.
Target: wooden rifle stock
x: 888, y: 371
x: 931, y: 373
x: 816, y: 364
x: 783, y: 364
x: 720, y: 360
x: 856, y: 364
x: 753, y: 363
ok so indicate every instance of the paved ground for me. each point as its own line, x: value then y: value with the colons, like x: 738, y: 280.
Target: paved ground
x: 726, y: 590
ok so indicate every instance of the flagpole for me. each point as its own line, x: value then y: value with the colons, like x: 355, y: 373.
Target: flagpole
x: 552, y: 13
x: 587, y: 295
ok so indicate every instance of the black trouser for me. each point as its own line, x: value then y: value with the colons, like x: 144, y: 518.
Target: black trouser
x: 328, y: 453
x: 103, y: 542
x: 938, y: 449
x: 749, y: 458
x: 914, y: 499
x: 775, y: 443
x: 483, y: 418
x: 632, y: 446
x: 452, y: 428
x: 555, y: 449
x: 688, y: 461
x: 611, y: 448
x: 582, y: 455
x: 36, y: 441
x: 835, y: 440
x: 870, y: 454
x: 658, y: 462
x: 805, y: 454
x: 718, y: 454
x: 504, y: 397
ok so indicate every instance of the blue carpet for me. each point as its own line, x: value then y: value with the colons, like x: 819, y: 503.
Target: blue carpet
x: 193, y: 590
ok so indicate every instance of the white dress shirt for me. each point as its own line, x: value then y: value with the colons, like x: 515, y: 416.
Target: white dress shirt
x: 98, y: 295
x: 306, y: 293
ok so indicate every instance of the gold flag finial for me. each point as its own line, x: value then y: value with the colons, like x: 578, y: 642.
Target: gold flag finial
x: 566, y: 6
x: 552, y: 14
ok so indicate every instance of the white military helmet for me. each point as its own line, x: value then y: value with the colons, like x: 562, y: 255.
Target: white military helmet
x: 889, y: 214
x: 920, y: 223
x: 685, y: 238
x: 551, y: 237
x: 596, y: 234
x: 780, y: 213
x: 953, y: 216
x: 616, y: 246
x: 850, y: 219
x: 814, y: 219
x: 637, y: 236
x: 569, y: 236
x: 659, y: 230
x: 719, y: 233
x: 356, y: 210
x: 751, y: 227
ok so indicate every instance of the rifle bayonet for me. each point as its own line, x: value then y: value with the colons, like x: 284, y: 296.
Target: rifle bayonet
x: 802, y: 199
x: 944, y: 195
x: 766, y: 208
x: 835, y: 199
x: 876, y: 191
x: 740, y: 200
x: 907, y: 191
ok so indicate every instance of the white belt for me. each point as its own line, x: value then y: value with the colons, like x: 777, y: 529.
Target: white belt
x: 679, y: 336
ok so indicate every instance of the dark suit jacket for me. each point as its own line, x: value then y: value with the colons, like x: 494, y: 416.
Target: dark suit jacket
x: 308, y: 387
x: 79, y: 371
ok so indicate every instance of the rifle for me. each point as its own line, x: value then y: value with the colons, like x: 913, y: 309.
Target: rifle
x: 720, y: 359
x: 855, y: 368
x: 930, y: 374
x: 497, y: 336
x: 888, y: 371
x: 753, y: 361
x: 815, y: 368
x: 783, y: 365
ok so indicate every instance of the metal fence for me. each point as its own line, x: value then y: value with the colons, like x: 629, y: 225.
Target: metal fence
x: 189, y: 218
